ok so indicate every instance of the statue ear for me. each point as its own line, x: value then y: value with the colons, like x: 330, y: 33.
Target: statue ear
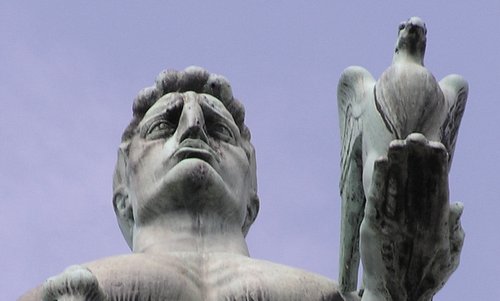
x: 252, y: 211
x: 121, y: 200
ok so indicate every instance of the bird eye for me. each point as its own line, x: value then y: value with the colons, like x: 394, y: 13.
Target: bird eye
x: 402, y: 26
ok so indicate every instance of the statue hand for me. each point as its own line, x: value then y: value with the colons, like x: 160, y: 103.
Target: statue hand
x: 410, y: 238
x: 76, y: 283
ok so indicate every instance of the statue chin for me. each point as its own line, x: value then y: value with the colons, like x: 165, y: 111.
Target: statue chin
x: 192, y: 176
x: 191, y: 185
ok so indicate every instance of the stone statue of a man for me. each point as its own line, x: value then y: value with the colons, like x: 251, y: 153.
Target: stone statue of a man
x: 185, y: 196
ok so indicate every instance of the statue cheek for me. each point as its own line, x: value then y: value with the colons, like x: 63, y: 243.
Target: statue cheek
x: 235, y: 166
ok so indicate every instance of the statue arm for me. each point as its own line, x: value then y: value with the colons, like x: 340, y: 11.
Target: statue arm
x: 411, y: 237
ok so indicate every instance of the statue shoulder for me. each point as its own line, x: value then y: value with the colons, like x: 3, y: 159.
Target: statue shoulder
x: 34, y: 294
x: 100, y: 275
x: 280, y: 282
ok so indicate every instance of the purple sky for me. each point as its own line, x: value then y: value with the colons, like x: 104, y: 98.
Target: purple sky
x: 70, y: 70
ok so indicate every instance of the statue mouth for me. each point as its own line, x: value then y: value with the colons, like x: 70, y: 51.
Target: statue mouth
x: 195, y: 149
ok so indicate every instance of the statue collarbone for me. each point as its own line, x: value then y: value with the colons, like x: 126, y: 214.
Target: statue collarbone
x: 406, y: 99
x: 206, y: 276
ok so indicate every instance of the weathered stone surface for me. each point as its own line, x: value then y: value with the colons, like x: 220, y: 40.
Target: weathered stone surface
x: 406, y: 99
x: 411, y: 237
x: 185, y: 193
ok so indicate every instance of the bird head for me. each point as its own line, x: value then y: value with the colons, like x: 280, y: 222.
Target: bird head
x: 411, y: 40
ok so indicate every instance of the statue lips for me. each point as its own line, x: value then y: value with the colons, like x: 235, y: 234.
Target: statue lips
x: 195, y: 149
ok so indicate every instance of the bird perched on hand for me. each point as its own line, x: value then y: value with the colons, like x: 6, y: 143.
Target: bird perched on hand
x: 406, y: 99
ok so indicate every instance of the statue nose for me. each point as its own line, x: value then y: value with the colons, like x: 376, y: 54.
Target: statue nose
x: 192, y: 123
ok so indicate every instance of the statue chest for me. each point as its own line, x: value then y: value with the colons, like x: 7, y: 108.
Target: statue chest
x: 210, y: 279
x: 410, y: 99
x: 188, y: 285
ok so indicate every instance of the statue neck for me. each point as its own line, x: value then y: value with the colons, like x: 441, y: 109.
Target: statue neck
x: 403, y: 56
x: 190, y: 233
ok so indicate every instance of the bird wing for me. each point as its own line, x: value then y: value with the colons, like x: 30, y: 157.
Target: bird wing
x: 455, y: 89
x: 355, y: 89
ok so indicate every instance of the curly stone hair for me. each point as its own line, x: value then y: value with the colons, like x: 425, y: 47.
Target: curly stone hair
x: 193, y: 79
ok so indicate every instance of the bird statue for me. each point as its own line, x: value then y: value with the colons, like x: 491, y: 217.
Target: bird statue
x: 406, y: 99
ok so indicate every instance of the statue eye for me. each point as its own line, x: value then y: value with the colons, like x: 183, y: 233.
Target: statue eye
x: 160, y: 129
x: 164, y: 125
x: 220, y: 131
x: 402, y: 26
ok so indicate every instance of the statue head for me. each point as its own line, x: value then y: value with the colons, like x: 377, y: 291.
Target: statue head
x: 412, y: 38
x: 186, y: 148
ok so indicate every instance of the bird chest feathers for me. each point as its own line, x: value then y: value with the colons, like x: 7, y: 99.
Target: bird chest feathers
x: 409, y: 99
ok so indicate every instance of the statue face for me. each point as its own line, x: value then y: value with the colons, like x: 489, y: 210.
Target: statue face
x: 188, y: 155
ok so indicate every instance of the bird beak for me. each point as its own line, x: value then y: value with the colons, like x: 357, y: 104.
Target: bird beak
x: 416, y: 25
x: 414, y: 28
